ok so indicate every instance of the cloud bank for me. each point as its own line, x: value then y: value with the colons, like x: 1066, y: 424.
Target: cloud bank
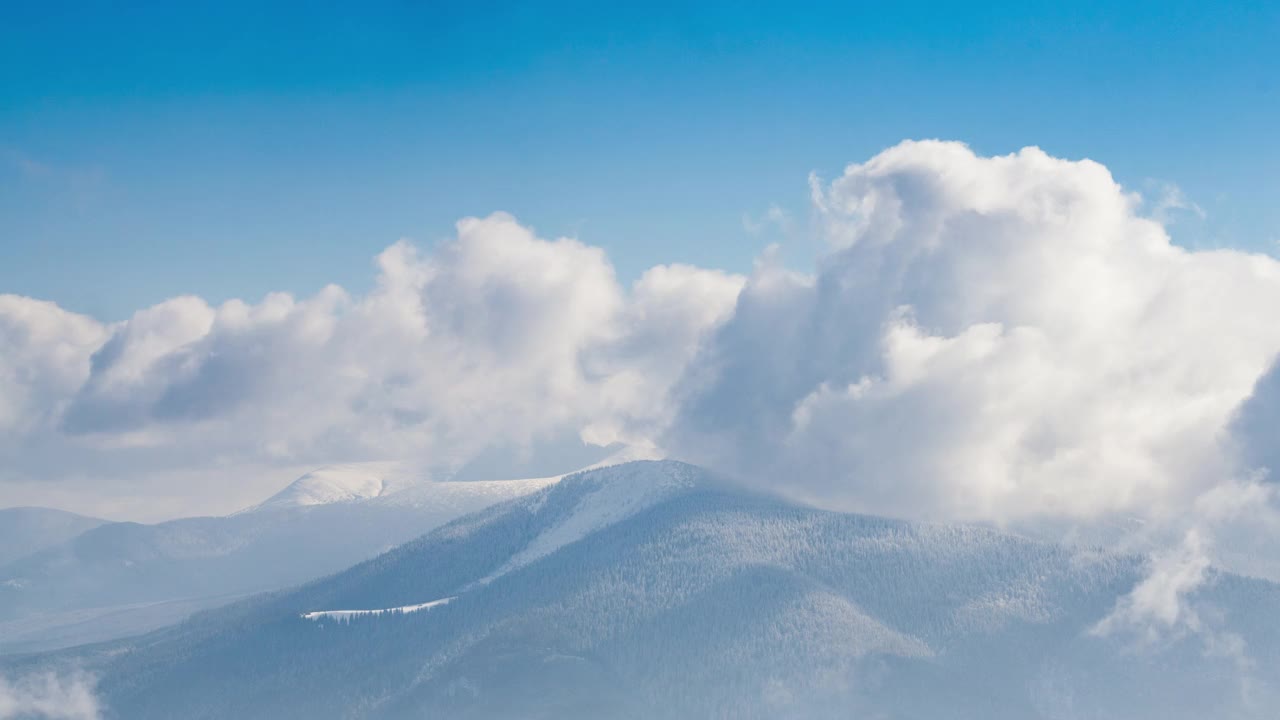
x: 497, y: 337
x: 985, y: 338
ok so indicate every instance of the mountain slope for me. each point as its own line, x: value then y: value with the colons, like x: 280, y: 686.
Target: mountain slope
x: 139, y: 577
x: 698, y: 600
x: 26, y: 530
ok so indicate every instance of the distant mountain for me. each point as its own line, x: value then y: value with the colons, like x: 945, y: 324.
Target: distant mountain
x: 118, y: 579
x: 655, y: 590
x: 343, y: 483
x: 26, y: 530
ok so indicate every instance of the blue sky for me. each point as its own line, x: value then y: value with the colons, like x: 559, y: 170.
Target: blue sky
x: 229, y: 150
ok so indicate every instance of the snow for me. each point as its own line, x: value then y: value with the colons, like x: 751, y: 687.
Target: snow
x: 715, y: 603
x: 339, y: 483
x: 348, y: 614
x: 620, y: 492
x: 396, y: 485
x: 464, y: 496
x: 404, y: 485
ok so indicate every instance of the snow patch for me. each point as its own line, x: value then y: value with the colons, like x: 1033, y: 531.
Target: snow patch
x: 348, y: 614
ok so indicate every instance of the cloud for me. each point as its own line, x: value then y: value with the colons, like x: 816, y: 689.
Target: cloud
x: 1001, y: 338
x: 497, y: 337
x: 775, y: 216
x: 1256, y: 426
x: 136, y: 363
x: 1159, y: 602
x: 48, y: 696
x: 44, y: 358
x: 1007, y: 339
x: 1167, y: 605
x: 1171, y: 201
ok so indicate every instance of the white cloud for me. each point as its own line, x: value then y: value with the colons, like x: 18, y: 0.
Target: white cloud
x: 496, y: 338
x: 1167, y: 607
x: 48, y: 696
x: 1256, y: 426
x: 1159, y: 603
x: 1009, y: 339
x: 989, y: 339
x: 44, y: 358
x: 1170, y: 201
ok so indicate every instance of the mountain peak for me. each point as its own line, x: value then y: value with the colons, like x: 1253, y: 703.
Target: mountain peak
x: 355, y: 482
x: 343, y: 483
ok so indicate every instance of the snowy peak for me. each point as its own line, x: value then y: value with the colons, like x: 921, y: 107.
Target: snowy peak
x: 342, y: 483
x: 388, y: 484
x: 396, y: 483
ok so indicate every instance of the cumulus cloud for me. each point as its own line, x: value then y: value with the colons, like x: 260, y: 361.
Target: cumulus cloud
x: 995, y: 338
x: 1005, y: 339
x: 1256, y: 426
x: 48, y: 696
x: 496, y: 337
x: 44, y: 359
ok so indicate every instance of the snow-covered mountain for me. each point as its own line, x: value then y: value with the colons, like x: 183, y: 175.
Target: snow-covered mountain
x: 343, y: 483
x: 655, y: 590
x: 116, y: 579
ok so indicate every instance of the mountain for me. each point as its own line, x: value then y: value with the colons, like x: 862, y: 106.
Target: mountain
x: 118, y: 579
x: 342, y: 483
x: 657, y: 590
x: 25, y: 530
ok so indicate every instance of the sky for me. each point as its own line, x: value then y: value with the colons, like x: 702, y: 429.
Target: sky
x: 229, y: 150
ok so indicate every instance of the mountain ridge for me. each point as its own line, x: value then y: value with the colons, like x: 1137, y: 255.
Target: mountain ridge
x: 139, y: 577
x: 25, y: 530
x: 710, y: 601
